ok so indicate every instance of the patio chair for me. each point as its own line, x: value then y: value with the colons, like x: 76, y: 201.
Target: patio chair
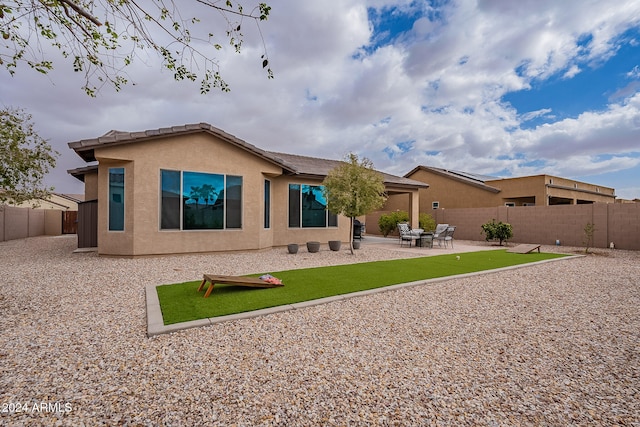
x: 446, y: 236
x: 439, y: 231
x: 408, y: 235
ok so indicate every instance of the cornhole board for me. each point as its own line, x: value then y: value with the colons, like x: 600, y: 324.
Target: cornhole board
x: 252, y: 282
x: 524, y: 249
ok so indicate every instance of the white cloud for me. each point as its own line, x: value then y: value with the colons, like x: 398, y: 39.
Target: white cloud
x: 634, y: 73
x: 438, y: 87
x: 535, y: 114
x: 571, y: 72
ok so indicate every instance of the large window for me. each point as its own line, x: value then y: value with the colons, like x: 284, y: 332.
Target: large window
x: 200, y: 201
x: 116, y: 199
x: 308, y: 207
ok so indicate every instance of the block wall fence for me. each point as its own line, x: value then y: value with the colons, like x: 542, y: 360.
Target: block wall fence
x: 20, y: 223
x: 614, y: 222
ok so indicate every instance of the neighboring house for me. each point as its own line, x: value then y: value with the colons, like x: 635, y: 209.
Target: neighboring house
x: 453, y: 189
x: 195, y: 188
x: 63, y: 202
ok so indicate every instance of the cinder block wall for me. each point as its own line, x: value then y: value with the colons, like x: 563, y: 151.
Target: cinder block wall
x: 16, y: 223
x: 624, y: 225
x: 617, y: 223
x: 20, y: 223
x: 53, y: 222
x: 614, y: 222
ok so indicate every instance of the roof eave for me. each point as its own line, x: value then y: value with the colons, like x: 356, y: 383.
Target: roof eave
x: 86, y: 148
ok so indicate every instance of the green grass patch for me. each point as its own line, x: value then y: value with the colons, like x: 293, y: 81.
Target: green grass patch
x: 181, y: 303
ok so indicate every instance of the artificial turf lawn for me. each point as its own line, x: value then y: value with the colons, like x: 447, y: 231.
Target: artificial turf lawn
x: 180, y: 302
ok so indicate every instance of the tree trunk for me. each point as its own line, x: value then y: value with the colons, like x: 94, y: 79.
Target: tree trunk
x: 351, y: 236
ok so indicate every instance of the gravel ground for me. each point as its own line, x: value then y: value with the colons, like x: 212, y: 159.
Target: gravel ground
x: 551, y: 344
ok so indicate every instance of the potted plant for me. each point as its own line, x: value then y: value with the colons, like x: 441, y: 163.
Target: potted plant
x: 313, y: 246
x: 334, y: 245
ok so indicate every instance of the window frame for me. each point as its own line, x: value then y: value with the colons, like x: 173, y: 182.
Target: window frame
x: 110, y: 216
x: 329, y: 217
x: 266, y: 205
x: 227, y: 184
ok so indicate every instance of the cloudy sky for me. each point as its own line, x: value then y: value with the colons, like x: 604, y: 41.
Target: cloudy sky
x: 493, y: 87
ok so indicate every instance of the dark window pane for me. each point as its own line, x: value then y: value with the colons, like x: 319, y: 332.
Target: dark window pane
x: 233, y: 194
x: 203, y: 196
x: 314, y: 206
x: 332, y: 219
x: 170, y: 200
x: 294, y: 205
x: 267, y: 204
x: 116, y: 199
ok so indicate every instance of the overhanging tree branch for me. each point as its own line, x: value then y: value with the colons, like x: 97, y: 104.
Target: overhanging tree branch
x: 79, y: 10
x: 94, y: 34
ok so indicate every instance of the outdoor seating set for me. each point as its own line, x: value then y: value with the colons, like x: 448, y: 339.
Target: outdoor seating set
x: 443, y: 234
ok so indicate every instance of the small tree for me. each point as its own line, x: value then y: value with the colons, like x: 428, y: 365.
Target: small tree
x: 497, y: 231
x: 25, y: 158
x: 589, y: 229
x: 353, y: 189
x: 389, y: 222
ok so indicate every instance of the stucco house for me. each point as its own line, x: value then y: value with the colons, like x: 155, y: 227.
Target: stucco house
x: 449, y: 189
x: 196, y: 188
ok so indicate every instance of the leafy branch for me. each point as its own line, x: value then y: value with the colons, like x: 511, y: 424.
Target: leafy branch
x: 96, y: 45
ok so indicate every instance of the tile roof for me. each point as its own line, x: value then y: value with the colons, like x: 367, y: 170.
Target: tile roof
x: 85, y: 148
x: 317, y: 167
x: 291, y: 164
x: 466, y: 177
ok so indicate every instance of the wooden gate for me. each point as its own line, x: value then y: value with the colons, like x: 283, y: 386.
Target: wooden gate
x: 69, y: 222
x: 88, y: 224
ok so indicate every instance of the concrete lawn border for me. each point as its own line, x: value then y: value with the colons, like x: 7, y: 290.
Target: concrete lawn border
x: 156, y: 326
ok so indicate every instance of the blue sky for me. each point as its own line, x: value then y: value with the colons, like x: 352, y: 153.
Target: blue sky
x: 491, y: 87
x: 597, y: 85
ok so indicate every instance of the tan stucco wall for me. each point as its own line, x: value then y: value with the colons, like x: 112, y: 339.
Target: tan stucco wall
x: 91, y: 186
x: 545, y: 186
x: 198, y: 152
x: 455, y: 194
x: 450, y: 194
x: 514, y: 190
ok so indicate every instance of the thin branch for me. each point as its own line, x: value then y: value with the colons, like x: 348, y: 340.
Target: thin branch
x: 79, y: 11
x: 224, y: 9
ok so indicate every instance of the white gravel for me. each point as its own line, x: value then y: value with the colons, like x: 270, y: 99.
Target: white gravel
x: 554, y: 344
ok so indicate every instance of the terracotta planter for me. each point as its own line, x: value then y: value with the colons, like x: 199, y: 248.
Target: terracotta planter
x: 334, y: 245
x: 293, y: 248
x: 313, y: 246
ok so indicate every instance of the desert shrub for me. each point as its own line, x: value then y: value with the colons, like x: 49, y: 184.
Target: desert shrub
x: 389, y: 222
x: 500, y: 231
x: 426, y: 221
x: 589, y: 229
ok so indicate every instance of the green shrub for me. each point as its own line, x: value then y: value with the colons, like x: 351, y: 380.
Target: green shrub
x: 497, y: 231
x: 389, y: 222
x: 427, y: 223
